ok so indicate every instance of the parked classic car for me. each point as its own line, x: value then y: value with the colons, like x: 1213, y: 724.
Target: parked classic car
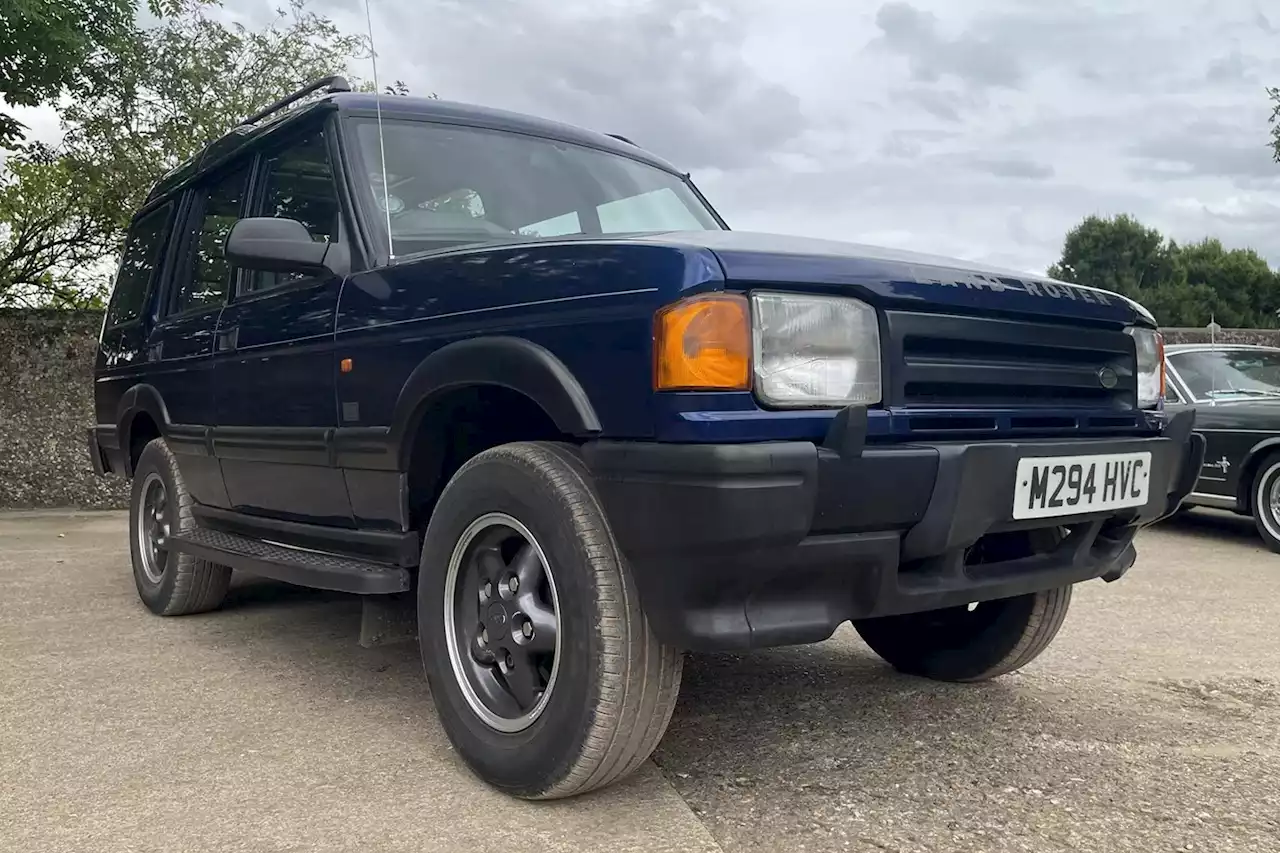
x: 1235, y: 390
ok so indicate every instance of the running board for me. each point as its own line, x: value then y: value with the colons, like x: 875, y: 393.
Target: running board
x: 291, y: 565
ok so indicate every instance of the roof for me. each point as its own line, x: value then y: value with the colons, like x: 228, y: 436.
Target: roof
x: 1173, y: 349
x: 432, y: 109
x: 399, y: 106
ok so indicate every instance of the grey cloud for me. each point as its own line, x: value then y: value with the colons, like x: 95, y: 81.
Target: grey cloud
x: 669, y: 74
x: 1229, y: 68
x: 932, y: 55
x: 1204, y: 148
x: 936, y: 102
x: 1013, y: 167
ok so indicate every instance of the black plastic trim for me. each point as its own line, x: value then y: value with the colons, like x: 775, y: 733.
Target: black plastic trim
x: 101, y: 465
x: 397, y: 548
x: 766, y: 544
x: 277, y: 445
x: 304, y: 568
x: 513, y: 363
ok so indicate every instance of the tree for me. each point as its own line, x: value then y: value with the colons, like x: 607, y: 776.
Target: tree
x: 1119, y: 254
x: 48, y: 47
x: 160, y: 99
x: 1180, y: 285
x: 54, y: 221
x: 1274, y: 94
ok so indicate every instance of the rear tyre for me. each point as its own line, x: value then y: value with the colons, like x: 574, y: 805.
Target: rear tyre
x: 543, y: 669
x: 169, y: 583
x: 963, y: 644
x: 1265, y: 501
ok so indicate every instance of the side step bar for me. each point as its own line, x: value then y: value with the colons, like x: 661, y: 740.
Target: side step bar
x: 291, y: 565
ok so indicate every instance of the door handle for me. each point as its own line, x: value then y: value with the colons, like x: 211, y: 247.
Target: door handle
x: 227, y: 338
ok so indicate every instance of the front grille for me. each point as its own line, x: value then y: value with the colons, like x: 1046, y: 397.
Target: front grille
x: 939, y: 361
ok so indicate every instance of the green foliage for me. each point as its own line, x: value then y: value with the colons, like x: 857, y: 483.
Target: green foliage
x: 52, y: 222
x: 52, y: 47
x: 159, y: 97
x: 1180, y: 285
x: 1274, y: 95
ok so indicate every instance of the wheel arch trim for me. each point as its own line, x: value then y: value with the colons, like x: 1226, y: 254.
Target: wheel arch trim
x: 1249, y: 469
x: 139, y: 400
x: 513, y: 363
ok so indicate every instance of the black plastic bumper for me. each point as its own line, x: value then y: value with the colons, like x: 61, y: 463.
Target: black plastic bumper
x: 753, y: 545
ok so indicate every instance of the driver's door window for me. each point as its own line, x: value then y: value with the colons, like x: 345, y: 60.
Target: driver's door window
x: 298, y: 183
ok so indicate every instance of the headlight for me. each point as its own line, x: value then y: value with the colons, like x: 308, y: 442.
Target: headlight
x: 815, y: 350
x: 1149, y: 345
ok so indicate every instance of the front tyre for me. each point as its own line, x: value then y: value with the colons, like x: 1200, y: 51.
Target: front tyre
x: 169, y: 583
x: 1265, y: 501
x: 970, y: 642
x: 543, y: 669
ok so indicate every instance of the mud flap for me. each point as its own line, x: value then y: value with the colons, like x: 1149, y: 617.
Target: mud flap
x: 388, y: 619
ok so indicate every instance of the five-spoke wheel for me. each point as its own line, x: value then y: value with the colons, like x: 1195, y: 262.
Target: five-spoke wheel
x: 541, y: 663
x: 500, y: 621
x: 170, y: 583
x: 153, y: 526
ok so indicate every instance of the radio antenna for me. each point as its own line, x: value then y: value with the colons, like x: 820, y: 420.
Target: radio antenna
x: 382, y: 146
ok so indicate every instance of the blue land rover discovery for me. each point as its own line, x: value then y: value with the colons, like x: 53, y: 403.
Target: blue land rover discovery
x: 523, y: 378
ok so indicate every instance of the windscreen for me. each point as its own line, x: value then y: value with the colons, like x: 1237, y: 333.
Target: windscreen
x: 1227, y: 374
x: 449, y: 185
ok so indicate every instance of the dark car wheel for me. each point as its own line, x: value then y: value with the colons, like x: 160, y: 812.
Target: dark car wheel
x: 169, y: 583
x: 969, y: 643
x: 542, y: 666
x: 1265, y: 501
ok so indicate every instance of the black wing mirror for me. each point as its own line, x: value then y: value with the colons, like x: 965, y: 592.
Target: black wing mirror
x: 282, y: 245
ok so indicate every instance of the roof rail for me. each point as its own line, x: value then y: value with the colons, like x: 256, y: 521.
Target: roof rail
x: 334, y: 83
x: 621, y: 137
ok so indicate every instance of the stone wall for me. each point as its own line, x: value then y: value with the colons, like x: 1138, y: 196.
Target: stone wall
x: 1265, y: 337
x: 46, y: 403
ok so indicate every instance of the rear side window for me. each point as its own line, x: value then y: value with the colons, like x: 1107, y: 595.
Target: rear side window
x: 143, y: 253
x: 208, y: 272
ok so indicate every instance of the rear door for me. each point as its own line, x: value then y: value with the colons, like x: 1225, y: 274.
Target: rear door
x: 122, y: 348
x: 181, y: 343
x: 274, y: 354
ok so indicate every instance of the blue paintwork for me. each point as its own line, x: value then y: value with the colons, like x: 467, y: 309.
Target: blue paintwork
x: 294, y: 437
x: 908, y: 278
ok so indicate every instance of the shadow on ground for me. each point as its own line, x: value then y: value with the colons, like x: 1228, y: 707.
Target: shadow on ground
x: 1214, y: 524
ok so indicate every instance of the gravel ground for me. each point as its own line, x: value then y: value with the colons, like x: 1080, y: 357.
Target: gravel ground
x: 1152, y: 724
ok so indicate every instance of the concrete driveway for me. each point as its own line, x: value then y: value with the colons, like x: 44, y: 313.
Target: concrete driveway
x: 1153, y: 724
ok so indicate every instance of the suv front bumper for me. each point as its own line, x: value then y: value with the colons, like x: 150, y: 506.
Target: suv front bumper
x: 737, y: 546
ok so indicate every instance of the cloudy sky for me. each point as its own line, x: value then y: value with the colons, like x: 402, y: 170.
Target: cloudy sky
x: 981, y: 129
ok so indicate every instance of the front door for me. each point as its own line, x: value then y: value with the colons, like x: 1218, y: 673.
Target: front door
x: 273, y: 359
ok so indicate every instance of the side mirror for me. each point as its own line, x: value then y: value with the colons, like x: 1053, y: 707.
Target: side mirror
x: 281, y: 245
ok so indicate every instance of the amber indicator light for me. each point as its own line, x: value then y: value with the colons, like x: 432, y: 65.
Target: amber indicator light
x: 345, y: 365
x: 703, y: 342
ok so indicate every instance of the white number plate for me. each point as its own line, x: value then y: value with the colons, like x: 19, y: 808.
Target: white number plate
x: 1049, y: 486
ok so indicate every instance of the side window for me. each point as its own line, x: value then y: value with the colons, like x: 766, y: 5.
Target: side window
x: 209, y: 274
x: 1171, y: 394
x: 298, y: 183
x: 143, y: 253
